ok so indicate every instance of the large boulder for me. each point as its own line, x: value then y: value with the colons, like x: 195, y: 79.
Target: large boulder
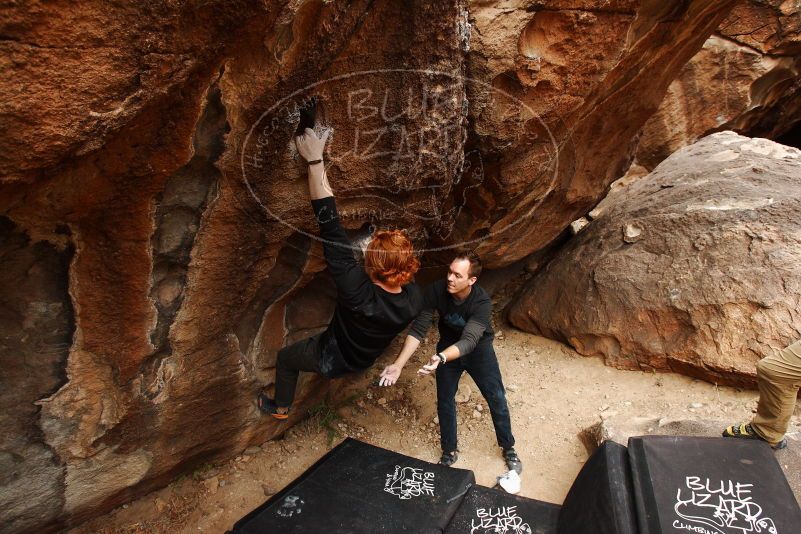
x: 695, y: 268
x: 77, y: 73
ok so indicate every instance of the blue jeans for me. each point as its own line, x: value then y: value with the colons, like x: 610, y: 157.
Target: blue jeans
x: 482, y: 366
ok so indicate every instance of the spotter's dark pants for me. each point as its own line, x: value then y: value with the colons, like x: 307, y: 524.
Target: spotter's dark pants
x: 482, y: 366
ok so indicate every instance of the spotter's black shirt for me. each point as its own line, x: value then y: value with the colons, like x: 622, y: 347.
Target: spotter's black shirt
x: 466, y: 324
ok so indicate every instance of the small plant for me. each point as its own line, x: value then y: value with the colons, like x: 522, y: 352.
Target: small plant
x: 201, y: 471
x: 350, y: 399
x: 326, y: 417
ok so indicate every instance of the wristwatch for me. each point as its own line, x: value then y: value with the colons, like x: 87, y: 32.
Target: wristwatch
x: 314, y: 162
x: 442, y: 358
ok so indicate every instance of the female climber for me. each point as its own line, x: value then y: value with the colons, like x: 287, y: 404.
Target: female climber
x: 375, y: 302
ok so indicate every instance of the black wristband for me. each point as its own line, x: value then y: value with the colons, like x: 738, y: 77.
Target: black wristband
x: 314, y: 162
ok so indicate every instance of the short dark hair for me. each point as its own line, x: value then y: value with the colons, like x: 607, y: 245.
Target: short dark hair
x: 475, y: 262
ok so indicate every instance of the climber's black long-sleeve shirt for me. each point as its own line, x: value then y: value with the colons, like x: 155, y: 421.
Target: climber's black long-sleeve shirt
x: 366, y: 318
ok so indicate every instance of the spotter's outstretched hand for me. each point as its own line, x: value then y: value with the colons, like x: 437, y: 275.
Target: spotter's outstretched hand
x: 430, y: 367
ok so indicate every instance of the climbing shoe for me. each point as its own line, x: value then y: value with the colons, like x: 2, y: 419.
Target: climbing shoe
x: 746, y: 431
x: 513, y: 460
x: 448, y: 458
x: 267, y: 406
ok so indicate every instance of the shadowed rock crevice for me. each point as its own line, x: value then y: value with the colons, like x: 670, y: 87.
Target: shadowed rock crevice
x: 792, y: 137
x: 288, y: 269
x: 36, y: 329
x: 178, y: 213
x: 311, y: 308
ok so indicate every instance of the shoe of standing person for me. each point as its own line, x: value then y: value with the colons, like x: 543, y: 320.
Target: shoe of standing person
x: 513, y: 460
x: 746, y: 431
x: 448, y: 458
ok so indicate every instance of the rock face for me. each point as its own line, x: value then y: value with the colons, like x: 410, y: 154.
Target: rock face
x: 157, y: 242
x: 571, y: 92
x: 746, y: 78
x: 36, y: 325
x: 155, y: 254
x: 695, y: 268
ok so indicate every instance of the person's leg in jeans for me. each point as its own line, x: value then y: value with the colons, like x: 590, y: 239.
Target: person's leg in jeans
x: 447, y: 377
x: 301, y: 356
x: 779, y: 378
x: 482, y: 365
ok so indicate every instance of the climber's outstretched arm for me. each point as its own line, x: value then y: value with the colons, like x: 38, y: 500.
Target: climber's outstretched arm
x: 310, y: 147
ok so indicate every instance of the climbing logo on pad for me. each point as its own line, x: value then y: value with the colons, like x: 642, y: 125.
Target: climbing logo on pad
x: 501, y: 520
x: 408, y: 482
x: 707, y: 506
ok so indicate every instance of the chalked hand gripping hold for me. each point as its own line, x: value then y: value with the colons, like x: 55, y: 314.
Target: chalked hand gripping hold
x: 308, y: 116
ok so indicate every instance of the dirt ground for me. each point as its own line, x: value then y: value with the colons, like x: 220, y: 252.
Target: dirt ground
x: 553, y: 393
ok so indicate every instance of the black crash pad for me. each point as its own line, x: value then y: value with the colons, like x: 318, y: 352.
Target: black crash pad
x: 600, y: 500
x: 358, y: 487
x: 710, y: 486
x: 490, y: 511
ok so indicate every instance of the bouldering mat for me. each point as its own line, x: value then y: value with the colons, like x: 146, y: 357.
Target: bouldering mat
x: 358, y: 487
x: 490, y: 511
x: 710, y: 486
x: 600, y: 501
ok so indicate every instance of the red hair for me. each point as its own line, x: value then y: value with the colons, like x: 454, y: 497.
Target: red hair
x: 390, y: 258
